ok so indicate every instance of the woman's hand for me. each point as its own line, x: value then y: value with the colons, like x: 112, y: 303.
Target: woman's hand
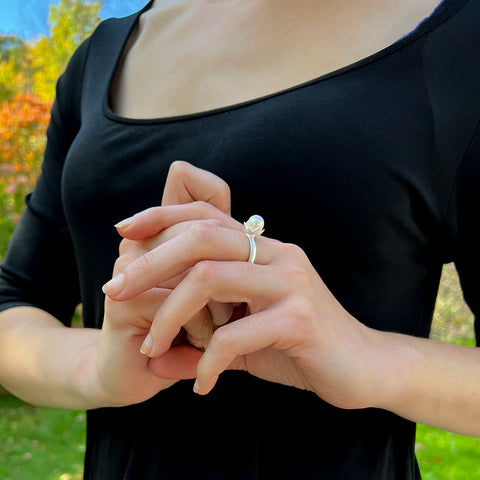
x: 185, y: 184
x: 151, y: 224
x: 121, y: 372
x: 295, y: 332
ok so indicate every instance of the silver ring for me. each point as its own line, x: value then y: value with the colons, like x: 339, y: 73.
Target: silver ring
x: 253, y: 248
x: 253, y: 228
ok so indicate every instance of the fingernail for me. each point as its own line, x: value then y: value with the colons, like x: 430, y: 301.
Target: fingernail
x: 147, y: 345
x: 124, y: 223
x: 114, y: 286
x: 196, y: 388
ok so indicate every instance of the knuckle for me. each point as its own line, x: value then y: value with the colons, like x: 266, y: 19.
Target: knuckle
x: 299, y: 310
x: 178, y: 168
x: 204, y: 271
x: 205, y: 210
x: 122, y: 248
x: 123, y: 261
x: 224, y: 339
x: 222, y: 190
x: 204, y: 231
x: 296, y: 266
x: 125, y: 246
x: 216, y: 222
x: 202, y: 208
x: 294, y: 252
x: 147, y: 244
x: 299, y: 276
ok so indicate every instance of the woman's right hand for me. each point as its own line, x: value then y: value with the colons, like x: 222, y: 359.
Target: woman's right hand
x: 121, y: 374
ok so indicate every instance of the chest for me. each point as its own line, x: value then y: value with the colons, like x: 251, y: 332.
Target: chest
x: 304, y: 155
x: 183, y: 59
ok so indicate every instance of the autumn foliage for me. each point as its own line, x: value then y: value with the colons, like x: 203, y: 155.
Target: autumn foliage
x: 23, y: 122
x: 28, y: 73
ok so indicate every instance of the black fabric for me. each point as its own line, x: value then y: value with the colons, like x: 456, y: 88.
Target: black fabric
x: 373, y: 170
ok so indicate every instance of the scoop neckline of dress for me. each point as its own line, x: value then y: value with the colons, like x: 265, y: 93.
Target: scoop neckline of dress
x: 442, y: 12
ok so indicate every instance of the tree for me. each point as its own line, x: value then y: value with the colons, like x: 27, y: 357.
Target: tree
x: 15, y: 67
x: 70, y: 23
x: 23, y: 121
x: 24, y: 116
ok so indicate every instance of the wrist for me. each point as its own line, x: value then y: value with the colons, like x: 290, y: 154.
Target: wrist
x: 394, y: 362
x: 405, y: 376
x: 85, y: 381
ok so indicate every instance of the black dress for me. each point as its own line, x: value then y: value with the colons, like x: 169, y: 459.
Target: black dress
x: 373, y: 170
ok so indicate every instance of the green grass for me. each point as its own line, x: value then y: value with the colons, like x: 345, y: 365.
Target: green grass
x: 444, y: 455
x: 447, y: 456
x: 38, y: 443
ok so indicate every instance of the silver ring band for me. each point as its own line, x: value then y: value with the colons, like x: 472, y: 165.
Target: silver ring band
x: 253, y: 248
x: 253, y: 227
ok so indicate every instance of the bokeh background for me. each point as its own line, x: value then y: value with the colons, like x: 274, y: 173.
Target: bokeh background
x: 37, y: 37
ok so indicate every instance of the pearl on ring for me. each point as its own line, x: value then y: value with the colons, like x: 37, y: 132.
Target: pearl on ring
x: 253, y: 228
x: 254, y: 225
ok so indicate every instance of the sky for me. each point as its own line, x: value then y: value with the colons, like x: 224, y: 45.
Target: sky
x: 28, y: 18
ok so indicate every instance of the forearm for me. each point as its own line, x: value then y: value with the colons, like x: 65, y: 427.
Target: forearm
x: 431, y: 382
x: 45, y: 363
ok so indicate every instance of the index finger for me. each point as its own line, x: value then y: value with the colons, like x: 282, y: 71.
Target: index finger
x: 152, y: 221
x: 204, y: 241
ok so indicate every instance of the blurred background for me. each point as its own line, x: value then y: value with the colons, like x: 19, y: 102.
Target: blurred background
x: 37, y: 37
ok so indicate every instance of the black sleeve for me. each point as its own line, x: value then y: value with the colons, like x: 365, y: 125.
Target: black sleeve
x: 39, y: 268
x: 465, y: 223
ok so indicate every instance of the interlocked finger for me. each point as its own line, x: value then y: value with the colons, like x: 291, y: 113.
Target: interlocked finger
x: 187, y: 183
x: 204, y: 240
x: 152, y: 221
x: 248, y: 335
x: 225, y: 282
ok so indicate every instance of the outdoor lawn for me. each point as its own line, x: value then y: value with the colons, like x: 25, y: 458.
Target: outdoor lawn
x: 38, y: 443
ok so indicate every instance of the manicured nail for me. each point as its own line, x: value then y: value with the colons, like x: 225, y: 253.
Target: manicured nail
x: 147, y: 345
x: 114, y: 286
x: 196, y: 388
x: 124, y: 223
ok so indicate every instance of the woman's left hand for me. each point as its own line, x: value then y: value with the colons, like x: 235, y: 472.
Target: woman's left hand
x: 209, y: 197
x: 294, y: 332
